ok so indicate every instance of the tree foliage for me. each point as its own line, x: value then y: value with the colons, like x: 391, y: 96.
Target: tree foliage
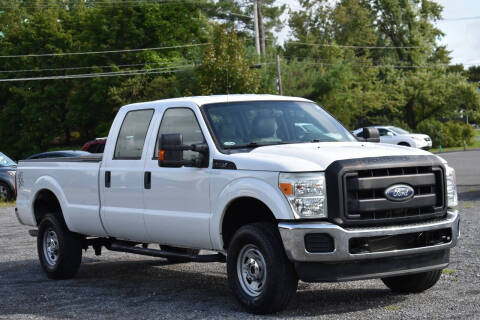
x: 366, y: 61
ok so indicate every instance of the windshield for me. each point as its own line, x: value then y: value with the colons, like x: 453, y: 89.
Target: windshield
x: 258, y: 123
x: 6, y: 161
x: 398, y: 130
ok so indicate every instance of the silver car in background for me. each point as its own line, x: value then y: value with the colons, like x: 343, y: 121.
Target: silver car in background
x: 395, y: 135
x: 8, y: 169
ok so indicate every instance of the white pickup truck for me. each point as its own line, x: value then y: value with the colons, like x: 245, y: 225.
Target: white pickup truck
x: 275, y: 186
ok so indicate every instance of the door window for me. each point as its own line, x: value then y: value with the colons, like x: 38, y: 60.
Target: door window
x: 383, y: 132
x: 131, y: 138
x: 183, y: 121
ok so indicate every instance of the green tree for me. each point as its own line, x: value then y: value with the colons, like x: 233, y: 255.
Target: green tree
x: 225, y: 66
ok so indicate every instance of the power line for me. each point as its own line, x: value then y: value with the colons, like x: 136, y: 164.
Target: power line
x: 351, y: 46
x: 83, y: 68
x: 101, y: 74
x: 460, y: 19
x: 427, y: 66
x: 102, y: 52
x: 105, y: 4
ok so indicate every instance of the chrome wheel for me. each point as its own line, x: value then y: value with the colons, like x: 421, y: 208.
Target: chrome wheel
x: 51, y: 249
x: 3, y: 193
x: 251, y: 270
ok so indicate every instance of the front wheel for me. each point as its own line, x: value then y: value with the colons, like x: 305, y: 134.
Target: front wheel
x: 260, y: 275
x: 59, y: 250
x: 413, y: 283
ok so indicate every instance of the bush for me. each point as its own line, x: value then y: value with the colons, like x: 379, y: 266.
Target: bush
x: 449, y: 134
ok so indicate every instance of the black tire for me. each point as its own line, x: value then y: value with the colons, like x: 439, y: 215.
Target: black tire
x: 413, y: 283
x: 404, y: 144
x: 64, y: 257
x: 179, y: 250
x: 6, y: 194
x: 278, y: 284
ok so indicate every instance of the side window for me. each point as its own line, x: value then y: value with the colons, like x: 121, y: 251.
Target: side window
x: 383, y: 132
x: 131, y: 137
x: 183, y: 121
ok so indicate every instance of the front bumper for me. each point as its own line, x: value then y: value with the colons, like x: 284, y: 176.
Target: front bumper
x: 293, y: 237
x: 342, y: 265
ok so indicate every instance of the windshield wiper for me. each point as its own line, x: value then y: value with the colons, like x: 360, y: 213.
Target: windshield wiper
x: 245, y: 146
x: 254, y: 145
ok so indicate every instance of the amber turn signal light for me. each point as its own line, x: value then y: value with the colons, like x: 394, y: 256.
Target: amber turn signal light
x: 161, y: 155
x: 286, y: 188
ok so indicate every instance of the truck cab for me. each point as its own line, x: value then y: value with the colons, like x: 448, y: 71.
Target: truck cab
x: 275, y: 185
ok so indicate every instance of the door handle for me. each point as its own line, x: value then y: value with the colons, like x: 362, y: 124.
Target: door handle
x: 147, y: 180
x: 108, y: 179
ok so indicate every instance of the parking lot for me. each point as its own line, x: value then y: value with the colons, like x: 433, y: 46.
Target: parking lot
x: 123, y: 286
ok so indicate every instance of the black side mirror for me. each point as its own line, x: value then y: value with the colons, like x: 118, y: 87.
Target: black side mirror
x: 170, y: 152
x: 370, y: 134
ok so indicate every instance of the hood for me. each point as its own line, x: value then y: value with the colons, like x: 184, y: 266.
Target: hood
x: 418, y: 135
x: 304, y: 157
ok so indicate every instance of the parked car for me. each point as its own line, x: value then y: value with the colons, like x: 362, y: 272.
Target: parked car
x: 95, y: 146
x: 395, y: 135
x: 277, y: 187
x: 59, y: 154
x: 8, y: 169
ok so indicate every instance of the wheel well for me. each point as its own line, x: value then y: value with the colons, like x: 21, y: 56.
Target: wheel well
x: 46, y: 202
x: 243, y: 211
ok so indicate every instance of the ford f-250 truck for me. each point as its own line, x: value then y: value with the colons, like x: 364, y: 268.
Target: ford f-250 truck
x: 274, y: 186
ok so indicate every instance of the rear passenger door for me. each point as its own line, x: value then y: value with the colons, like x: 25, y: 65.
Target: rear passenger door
x: 122, y: 178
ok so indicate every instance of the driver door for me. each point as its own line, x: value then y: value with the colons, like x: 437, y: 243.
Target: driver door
x: 386, y: 136
x: 177, y: 202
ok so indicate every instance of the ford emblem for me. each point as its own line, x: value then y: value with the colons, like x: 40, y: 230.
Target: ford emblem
x: 399, y: 192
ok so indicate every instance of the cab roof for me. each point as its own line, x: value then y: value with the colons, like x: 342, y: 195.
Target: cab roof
x: 203, y: 100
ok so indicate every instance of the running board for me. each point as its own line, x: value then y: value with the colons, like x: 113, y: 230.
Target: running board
x: 121, y: 247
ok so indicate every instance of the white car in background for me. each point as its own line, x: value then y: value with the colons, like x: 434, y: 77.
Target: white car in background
x: 395, y: 135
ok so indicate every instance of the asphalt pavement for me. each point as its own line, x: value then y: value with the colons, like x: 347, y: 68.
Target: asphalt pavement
x: 466, y: 165
x: 125, y: 286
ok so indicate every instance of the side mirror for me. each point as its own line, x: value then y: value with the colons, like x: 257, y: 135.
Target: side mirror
x: 390, y: 134
x: 370, y: 134
x: 170, y: 152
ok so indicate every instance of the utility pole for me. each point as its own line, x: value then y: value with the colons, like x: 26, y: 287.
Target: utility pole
x: 261, y: 27
x: 255, y: 21
x: 280, y: 88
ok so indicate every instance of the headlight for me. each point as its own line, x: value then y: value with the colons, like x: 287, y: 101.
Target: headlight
x: 452, y: 196
x: 306, y: 193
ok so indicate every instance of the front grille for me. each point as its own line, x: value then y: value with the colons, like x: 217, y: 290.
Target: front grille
x: 365, y: 201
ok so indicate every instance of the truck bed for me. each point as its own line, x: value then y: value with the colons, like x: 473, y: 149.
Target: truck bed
x: 75, y: 183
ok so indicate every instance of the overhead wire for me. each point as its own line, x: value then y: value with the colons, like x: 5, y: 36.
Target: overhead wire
x: 102, y: 74
x: 102, y: 52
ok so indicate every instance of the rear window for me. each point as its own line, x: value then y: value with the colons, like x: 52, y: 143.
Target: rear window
x: 131, y: 138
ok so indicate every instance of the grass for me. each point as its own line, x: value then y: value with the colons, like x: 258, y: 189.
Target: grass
x: 7, y: 204
x: 392, y: 308
x: 448, y: 271
x: 474, y: 145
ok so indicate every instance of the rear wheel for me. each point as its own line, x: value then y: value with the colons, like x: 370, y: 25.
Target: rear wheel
x: 59, y: 250
x: 5, y: 193
x: 413, y: 283
x: 259, y: 273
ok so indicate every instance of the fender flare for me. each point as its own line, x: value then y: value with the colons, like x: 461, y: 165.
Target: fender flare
x: 251, y: 188
x: 50, y: 184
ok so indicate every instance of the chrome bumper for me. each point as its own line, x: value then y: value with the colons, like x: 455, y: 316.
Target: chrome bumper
x: 293, y: 235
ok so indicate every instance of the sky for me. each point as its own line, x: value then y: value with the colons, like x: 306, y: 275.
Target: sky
x: 462, y: 37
